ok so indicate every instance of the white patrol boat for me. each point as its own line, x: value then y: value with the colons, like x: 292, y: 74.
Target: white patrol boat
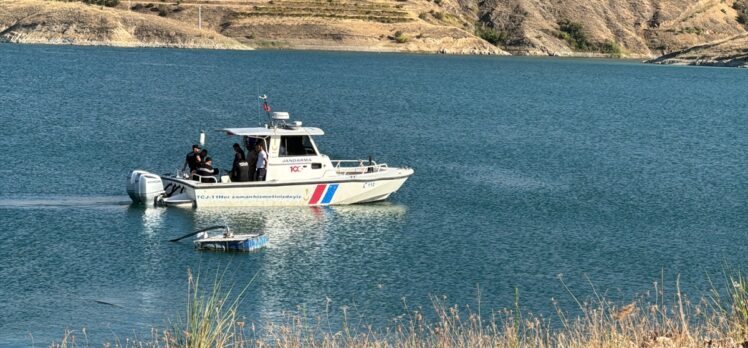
x: 297, y: 174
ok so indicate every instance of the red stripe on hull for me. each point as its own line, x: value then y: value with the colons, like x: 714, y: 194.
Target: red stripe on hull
x: 317, y: 193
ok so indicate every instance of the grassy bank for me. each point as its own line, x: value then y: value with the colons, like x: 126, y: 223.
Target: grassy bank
x: 719, y: 319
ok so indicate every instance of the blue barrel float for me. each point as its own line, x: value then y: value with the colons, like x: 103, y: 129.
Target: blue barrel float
x: 232, y: 242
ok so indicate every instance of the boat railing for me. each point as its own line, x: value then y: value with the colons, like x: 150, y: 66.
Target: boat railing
x: 209, y: 179
x: 352, y: 167
x: 195, y: 177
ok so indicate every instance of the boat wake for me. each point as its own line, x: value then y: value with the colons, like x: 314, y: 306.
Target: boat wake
x: 63, y: 201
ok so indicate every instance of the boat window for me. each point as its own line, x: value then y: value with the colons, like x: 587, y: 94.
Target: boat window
x: 296, y: 145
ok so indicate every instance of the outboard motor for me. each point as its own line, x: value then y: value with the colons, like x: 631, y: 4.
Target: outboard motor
x: 144, y: 187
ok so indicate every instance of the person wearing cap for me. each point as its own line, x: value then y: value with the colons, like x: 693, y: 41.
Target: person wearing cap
x: 192, y: 159
x: 206, y: 171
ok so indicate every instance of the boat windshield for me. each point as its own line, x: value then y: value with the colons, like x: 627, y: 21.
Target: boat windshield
x: 296, y: 145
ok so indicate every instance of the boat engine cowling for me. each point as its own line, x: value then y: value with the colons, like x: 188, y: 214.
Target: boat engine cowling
x: 144, y: 187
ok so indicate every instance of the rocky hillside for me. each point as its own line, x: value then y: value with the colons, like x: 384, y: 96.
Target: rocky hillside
x: 732, y: 52
x: 691, y: 30
x: 624, y: 28
x: 43, y: 22
x: 630, y: 28
x: 400, y: 26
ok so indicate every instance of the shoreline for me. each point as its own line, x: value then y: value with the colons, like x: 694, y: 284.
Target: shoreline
x: 321, y: 48
x: 730, y: 63
x: 228, y: 28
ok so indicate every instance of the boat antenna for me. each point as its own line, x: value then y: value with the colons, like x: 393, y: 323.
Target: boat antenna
x: 259, y: 118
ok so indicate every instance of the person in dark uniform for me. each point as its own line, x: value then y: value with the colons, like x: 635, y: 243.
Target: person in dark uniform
x: 192, y: 159
x: 207, y: 172
x: 240, y: 167
x: 252, y: 160
x: 201, y: 157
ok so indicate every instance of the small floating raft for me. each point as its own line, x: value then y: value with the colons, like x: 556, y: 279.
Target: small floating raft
x: 228, y: 241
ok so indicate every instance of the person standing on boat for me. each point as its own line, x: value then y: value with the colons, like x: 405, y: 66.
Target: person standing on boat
x: 252, y: 160
x: 238, y: 154
x: 192, y: 159
x: 262, y: 161
x: 240, y: 167
x: 206, y: 171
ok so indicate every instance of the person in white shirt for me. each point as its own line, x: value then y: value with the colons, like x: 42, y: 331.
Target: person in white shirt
x: 262, y: 160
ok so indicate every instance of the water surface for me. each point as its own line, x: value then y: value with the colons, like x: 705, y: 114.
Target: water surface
x: 527, y: 170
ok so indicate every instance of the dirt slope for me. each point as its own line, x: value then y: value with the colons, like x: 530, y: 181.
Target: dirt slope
x: 43, y: 22
x: 321, y: 24
x: 642, y: 28
x: 686, y: 31
x: 732, y: 52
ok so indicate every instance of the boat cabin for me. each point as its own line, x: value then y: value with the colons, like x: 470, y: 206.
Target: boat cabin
x: 292, y: 153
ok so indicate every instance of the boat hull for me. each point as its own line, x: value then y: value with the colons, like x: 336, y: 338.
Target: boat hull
x: 336, y: 191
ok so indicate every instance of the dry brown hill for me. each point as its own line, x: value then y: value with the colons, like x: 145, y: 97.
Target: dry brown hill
x: 640, y: 28
x: 45, y: 22
x: 328, y: 24
x: 621, y: 28
x: 732, y: 52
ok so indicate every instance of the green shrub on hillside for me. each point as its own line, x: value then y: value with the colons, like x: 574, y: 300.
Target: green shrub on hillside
x: 612, y: 48
x: 399, y: 37
x: 742, y: 18
x: 741, y: 6
x: 491, y: 35
x: 574, y: 34
x: 107, y: 3
x: 692, y: 30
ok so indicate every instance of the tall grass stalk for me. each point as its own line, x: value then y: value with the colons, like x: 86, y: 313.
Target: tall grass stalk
x: 720, y: 319
x: 210, y: 319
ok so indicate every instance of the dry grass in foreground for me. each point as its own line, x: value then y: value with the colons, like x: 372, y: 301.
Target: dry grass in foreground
x: 720, y: 319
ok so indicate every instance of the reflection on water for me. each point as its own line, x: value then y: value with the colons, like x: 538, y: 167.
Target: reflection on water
x: 308, y: 250
x: 152, y: 221
x: 285, y: 223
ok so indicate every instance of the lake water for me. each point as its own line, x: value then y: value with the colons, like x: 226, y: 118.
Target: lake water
x: 528, y: 170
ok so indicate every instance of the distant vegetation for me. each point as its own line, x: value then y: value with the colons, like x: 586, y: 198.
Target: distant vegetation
x: 108, y: 3
x: 375, y: 12
x: 490, y: 34
x: 399, y: 37
x: 575, y: 35
x: 743, y: 19
x: 611, y: 48
x: 742, y: 7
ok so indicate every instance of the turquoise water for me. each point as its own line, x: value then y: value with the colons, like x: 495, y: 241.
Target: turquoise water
x: 527, y: 170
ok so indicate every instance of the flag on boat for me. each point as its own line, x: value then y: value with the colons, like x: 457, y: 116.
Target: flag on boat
x: 265, y: 105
